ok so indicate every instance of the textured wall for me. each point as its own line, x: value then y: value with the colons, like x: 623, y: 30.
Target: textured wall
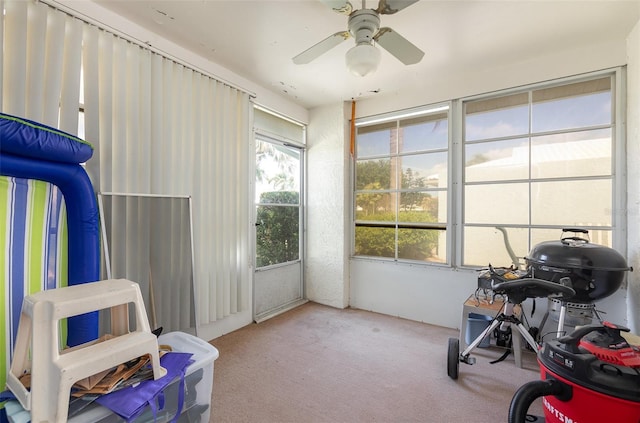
x: 328, y: 209
x: 633, y: 177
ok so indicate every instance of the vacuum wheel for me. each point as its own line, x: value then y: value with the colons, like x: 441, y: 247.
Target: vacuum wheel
x: 453, y: 358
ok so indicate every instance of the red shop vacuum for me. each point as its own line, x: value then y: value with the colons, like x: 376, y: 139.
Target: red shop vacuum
x: 589, y: 376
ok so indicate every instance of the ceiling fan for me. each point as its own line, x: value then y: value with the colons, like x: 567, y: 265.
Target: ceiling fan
x: 364, y: 26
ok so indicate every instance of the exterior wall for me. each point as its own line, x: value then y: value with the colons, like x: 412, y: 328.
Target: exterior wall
x: 596, y: 154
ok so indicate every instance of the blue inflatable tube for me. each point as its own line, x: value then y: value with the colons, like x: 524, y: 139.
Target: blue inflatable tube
x: 27, y: 138
x: 82, y: 227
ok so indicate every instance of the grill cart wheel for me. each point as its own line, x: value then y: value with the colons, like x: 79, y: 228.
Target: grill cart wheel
x: 453, y: 358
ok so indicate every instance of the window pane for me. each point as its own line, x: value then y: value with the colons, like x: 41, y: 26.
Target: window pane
x: 497, y: 203
x: 539, y: 235
x: 497, y: 117
x: 421, y: 244
x: 565, y: 171
x: 375, y: 206
x: 81, y: 134
x: 424, y: 133
x: 375, y: 140
x: 424, y: 170
x: 572, y: 106
x: 497, y: 161
x: 401, y: 177
x: 574, y: 154
x: 571, y: 203
x: 277, y: 174
x: 498, y: 246
x: 600, y: 237
x: 280, y: 197
x: 377, y: 242
x: 374, y: 174
x: 276, y: 235
x: 425, y: 207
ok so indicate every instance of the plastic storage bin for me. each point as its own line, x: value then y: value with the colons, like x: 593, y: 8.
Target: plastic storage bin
x: 476, y: 323
x: 198, y: 387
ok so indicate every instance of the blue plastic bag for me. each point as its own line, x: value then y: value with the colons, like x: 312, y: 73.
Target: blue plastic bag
x: 130, y: 402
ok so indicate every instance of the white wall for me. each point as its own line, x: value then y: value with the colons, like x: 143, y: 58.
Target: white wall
x: 480, y: 81
x: 633, y: 176
x: 426, y: 294
x: 328, y: 207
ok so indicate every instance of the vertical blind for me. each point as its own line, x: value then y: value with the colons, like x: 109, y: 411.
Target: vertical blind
x: 41, y: 64
x: 157, y: 127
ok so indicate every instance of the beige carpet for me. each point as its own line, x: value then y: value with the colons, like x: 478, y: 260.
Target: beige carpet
x: 320, y: 364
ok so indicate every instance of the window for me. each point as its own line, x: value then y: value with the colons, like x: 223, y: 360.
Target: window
x: 536, y: 161
x: 401, y: 174
x: 278, y: 206
x: 485, y: 181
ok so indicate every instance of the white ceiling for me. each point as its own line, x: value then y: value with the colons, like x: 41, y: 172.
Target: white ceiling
x: 257, y: 39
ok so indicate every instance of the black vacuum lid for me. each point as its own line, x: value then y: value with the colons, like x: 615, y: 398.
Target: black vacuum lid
x: 568, y: 358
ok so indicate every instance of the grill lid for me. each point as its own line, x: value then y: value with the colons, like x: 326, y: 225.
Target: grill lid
x: 577, y: 253
x: 595, y: 271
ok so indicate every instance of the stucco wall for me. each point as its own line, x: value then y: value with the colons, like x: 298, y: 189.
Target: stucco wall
x: 327, y: 235
x: 633, y: 176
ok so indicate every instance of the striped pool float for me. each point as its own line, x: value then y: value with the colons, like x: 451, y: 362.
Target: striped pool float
x: 49, y: 235
x: 33, y: 239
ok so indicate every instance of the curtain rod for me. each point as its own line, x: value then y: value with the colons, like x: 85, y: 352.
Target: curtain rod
x: 144, y: 44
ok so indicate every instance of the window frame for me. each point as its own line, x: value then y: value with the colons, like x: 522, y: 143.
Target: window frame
x: 618, y: 165
x: 397, y: 225
x: 454, y: 226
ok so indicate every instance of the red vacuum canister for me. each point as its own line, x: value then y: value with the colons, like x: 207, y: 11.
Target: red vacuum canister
x: 589, y: 376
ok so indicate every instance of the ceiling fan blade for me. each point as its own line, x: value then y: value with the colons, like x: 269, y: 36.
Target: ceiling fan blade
x: 321, y: 48
x: 389, y: 7
x: 339, y: 6
x: 398, y: 46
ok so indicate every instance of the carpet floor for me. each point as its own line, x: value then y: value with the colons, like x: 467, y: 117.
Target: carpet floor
x: 321, y: 364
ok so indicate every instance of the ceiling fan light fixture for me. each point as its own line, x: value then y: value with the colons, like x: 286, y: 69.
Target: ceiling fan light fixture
x: 362, y: 59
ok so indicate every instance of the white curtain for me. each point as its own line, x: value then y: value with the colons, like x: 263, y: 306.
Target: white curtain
x: 157, y: 127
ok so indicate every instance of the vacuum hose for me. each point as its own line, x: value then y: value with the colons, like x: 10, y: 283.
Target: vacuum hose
x: 529, y: 392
